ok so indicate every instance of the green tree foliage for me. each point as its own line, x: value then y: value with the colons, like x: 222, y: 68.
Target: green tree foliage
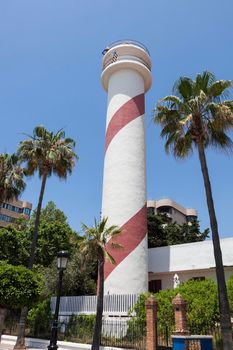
x: 202, y: 309
x: 163, y: 232
x: 54, y: 234
x: 52, y: 237
x: 11, y: 177
x: 18, y: 286
x: 14, y: 246
x: 230, y: 292
x: 49, y: 214
x: 79, y: 278
x: 198, y: 116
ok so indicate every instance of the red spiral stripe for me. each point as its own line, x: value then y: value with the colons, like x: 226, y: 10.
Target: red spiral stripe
x: 135, y: 229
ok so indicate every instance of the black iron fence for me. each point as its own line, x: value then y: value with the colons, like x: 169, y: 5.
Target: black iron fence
x: 121, y: 332
x: 217, y: 337
x: 116, y: 332
x: 164, y: 337
x: 124, y: 333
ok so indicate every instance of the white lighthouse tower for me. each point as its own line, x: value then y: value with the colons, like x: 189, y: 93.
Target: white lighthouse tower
x: 126, y: 77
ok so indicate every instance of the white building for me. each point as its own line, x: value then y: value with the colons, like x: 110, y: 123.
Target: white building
x: 190, y: 260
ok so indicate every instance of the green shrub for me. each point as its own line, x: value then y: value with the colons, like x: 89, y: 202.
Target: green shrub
x: 230, y: 292
x: 80, y: 328
x: 202, y: 309
x: 18, y: 286
x: 166, y: 320
x: 39, y: 318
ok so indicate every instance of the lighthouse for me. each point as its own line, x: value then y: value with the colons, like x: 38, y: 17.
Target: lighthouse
x: 126, y: 76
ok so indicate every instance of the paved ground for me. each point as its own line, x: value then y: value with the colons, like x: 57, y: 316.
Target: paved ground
x: 6, y: 346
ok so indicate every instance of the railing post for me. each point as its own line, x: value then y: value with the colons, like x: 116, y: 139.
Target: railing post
x: 151, y: 319
x: 181, y: 334
x: 180, y: 306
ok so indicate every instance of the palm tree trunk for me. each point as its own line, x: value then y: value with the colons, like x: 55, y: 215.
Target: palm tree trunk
x: 20, y: 342
x: 225, y: 319
x: 99, y: 311
x: 37, y: 222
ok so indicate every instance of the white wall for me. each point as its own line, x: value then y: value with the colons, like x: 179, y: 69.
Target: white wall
x: 189, y: 256
x: 188, y: 261
x: 167, y: 278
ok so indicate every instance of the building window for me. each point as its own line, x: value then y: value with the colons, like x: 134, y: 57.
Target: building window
x: 165, y: 209
x: 151, y: 211
x: 6, y: 218
x: 191, y: 218
x: 12, y: 208
x: 27, y: 211
x: 155, y: 286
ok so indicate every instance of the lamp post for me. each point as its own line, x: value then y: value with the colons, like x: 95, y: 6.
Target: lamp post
x: 62, y: 258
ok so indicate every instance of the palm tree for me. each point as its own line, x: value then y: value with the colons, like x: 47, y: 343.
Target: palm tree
x: 95, y: 244
x: 48, y: 153
x: 11, y: 177
x: 198, y: 115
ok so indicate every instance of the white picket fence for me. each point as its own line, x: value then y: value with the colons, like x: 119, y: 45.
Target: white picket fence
x: 114, y: 305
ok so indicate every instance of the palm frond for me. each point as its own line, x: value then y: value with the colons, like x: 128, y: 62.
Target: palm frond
x: 97, y: 236
x: 196, y: 112
x: 109, y: 257
x: 218, y: 137
x: 172, y: 99
x: 39, y: 131
x: 183, y: 87
x: 115, y: 245
x: 48, y: 152
x: 11, y: 177
x: 203, y: 81
x: 228, y: 103
x: 183, y: 147
x: 220, y: 88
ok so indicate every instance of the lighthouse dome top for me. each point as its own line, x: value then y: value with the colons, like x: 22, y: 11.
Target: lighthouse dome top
x: 126, y: 54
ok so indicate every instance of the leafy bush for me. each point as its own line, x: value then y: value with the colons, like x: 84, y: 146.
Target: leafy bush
x: 39, y: 318
x: 202, y: 310
x: 166, y: 320
x: 230, y: 292
x: 18, y: 286
x: 80, y: 328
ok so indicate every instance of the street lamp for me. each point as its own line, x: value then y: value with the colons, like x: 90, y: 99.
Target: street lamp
x: 62, y: 258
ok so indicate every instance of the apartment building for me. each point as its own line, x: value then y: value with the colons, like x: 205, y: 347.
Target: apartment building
x: 12, y: 210
x: 172, y: 209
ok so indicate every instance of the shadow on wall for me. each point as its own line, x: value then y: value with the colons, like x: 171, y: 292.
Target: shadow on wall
x: 158, y: 262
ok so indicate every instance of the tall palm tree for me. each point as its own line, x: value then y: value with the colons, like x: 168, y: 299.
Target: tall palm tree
x: 11, y: 177
x: 95, y: 244
x: 198, y: 115
x: 48, y: 153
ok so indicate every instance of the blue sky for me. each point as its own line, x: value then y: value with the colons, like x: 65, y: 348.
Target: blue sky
x: 50, y: 66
